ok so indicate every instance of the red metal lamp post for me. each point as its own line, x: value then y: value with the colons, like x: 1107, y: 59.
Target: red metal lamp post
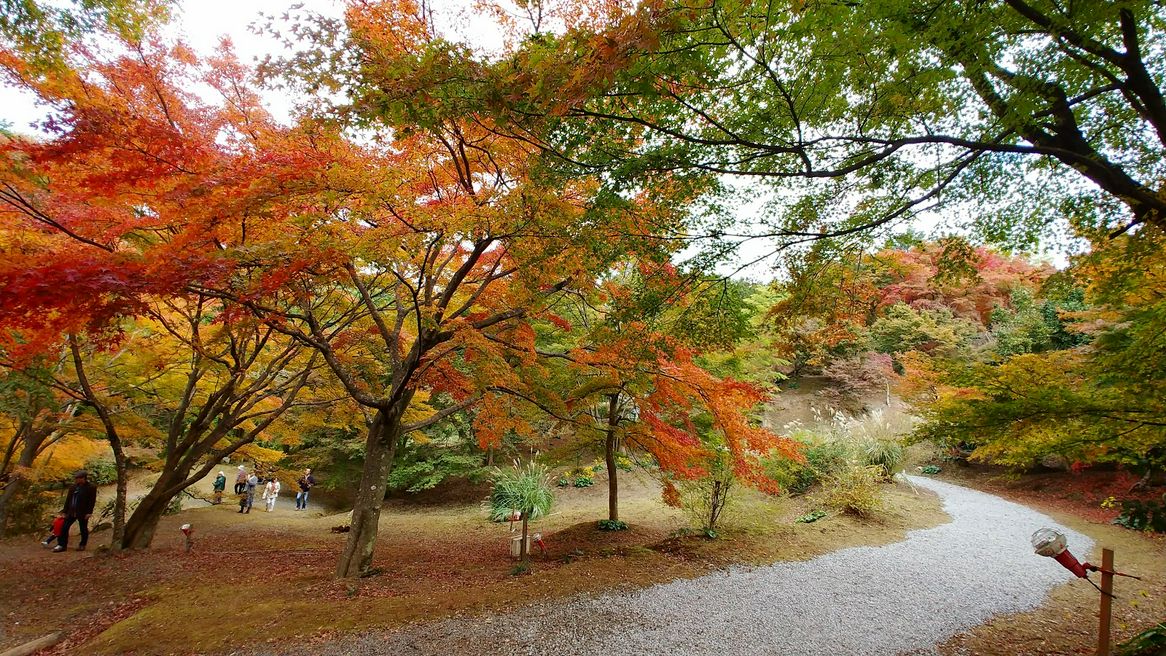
x: 1051, y: 543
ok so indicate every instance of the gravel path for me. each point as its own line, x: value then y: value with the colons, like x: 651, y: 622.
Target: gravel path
x: 903, y: 597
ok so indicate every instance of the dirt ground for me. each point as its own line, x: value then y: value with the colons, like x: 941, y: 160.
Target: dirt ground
x: 1068, y: 622
x: 266, y: 578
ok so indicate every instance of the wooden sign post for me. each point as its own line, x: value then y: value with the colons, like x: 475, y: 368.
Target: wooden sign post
x: 1106, y: 601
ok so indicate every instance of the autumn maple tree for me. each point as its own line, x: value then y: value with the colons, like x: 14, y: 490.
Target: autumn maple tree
x: 119, y: 214
x: 627, y: 365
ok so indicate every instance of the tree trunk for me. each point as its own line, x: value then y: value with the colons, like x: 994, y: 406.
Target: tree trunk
x: 609, y: 456
x: 380, y: 449
x: 143, y: 523
x: 119, y: 500
x: 18, y: 481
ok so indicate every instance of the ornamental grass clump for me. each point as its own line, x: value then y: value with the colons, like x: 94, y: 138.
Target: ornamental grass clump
x: 884, y: 454
x: 526, y: 489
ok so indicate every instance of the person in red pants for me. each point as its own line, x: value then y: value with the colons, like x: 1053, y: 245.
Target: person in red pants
x: 79, y: 502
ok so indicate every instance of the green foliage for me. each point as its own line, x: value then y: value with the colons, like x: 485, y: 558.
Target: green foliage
x: 810, y: 517
x: 526, y: 489
x: 825, y: 457
x: 884, y: 455
x: 101, y: 472
x: 930, y: 470
x: 422, y: 469
x: 719, y: 317
x: 903, y: 328
x: 612, y: 525
x: 707, y: 498
x: 1098, y: 399
x: 43, y: 31
x: 881, y: 91
x: 855, y: 490
x: 580, y: 476
x: 1143, y: 515
x: 1151, y: 642
x: 1032, y: 326
x: 32, y: 511
x: 792, y: 476
x: 828, y: 458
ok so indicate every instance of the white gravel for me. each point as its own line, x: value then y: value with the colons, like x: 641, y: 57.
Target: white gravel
x: 903, y: 597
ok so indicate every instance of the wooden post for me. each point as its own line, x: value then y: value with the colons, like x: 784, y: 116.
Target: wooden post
x: 1106, y: 601
x: 32, y: 647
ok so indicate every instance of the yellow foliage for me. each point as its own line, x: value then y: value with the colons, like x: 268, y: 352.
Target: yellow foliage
x: 259, y: 454
x: 67, y: 456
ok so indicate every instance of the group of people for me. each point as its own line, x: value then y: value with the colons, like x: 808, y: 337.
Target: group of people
x: 246, y: 483
x: 81, y: 498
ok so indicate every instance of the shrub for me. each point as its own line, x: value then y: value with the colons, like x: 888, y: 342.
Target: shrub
x: 584, y: 481
x: 705, y: 500
x: 101, y: 472
x: 612, y: 525
x: 1143, y: 515
x: 810, y: 518
x: 855, y: 491
x: 886, y: 455
x: 829, y: 458
x: 32, y: 511
x: 623, y: 462
x: 1146, y: 643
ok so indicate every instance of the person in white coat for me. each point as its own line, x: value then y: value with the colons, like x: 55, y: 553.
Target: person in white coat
x: 270, y: 492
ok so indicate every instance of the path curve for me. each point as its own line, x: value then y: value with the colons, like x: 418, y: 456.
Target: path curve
x: 902, y: 597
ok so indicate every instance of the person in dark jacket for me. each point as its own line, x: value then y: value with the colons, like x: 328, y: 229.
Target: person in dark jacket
x: 219, y: 485
x: 79, y: 502
x: 306, y: 483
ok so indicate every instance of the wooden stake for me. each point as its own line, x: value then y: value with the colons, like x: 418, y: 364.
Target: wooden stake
x: 1106, y: 601
x: 32, y: 647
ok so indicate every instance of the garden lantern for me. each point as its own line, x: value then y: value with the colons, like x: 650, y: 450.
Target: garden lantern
x: 188, y: 531
x: 1047, y: 542
x: 1051, y: 543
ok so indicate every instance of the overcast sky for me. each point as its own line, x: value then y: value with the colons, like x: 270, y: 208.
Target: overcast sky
x: 201, y: 24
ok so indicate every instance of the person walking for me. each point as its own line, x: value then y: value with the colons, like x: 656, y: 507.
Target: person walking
x: 270, y: 493
x: 249, y: 485
x: 79, y: 502
x: 219, y: 486
x: 306, y: 482
x: 55, y: 529
x: 241, y: 480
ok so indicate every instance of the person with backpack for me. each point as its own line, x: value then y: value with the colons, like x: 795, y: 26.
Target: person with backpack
x: 249, y: 487
x: 306, y: 482
x: 79, y: 502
